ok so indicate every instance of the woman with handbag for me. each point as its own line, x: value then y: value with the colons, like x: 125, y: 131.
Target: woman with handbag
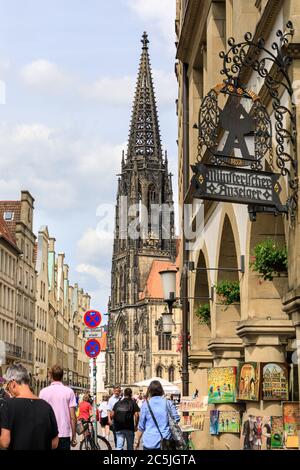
x: 154, y: 423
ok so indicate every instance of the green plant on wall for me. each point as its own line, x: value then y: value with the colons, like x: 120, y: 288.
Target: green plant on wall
x: 203, y: 314
x: 229, y: 291
x: 269, y: 259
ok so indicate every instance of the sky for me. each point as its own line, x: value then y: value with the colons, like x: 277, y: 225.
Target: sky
x: 68, y: 70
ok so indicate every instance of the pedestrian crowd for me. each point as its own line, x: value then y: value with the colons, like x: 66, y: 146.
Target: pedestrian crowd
x: 50, y: 420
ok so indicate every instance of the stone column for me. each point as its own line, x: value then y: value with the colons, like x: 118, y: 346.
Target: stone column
x: 226, y: 352
x: 265, y: 341
x: 291, y: 305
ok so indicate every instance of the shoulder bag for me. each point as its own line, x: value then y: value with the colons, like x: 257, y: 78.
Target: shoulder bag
x: 177, y: 434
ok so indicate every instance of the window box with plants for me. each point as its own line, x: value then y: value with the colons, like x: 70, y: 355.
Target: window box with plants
x: 269, y: 259
x: 203, y: 314
x: 229, y: 292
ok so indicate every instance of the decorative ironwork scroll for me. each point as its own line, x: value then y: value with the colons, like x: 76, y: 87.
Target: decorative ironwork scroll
x: 271, y: 65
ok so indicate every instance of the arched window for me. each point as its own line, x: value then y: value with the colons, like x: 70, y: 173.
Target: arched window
x: 171, y: 374
x: 159, y: 371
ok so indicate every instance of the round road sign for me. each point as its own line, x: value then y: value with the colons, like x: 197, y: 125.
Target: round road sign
x: 92, y: 348
x: 92, y: 319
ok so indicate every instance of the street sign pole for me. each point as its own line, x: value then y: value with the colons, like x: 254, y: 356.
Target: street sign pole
x: 95, y: 398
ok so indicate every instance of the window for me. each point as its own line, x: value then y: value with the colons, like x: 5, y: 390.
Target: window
x: 171, y: 374
x: 159, y: 371
x: 8, y: 215
x: 164, y: 342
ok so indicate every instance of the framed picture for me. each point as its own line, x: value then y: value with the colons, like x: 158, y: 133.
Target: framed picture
x: 194, y: 420
x: 256, y: 432
x: 214, y: 422
x: 229, y: 421
x: 197, y: 404
x: 249, y: 381
x: 291, y: 423
x: 222, y: 384
x: 275, y: 384
x: 276, y: 432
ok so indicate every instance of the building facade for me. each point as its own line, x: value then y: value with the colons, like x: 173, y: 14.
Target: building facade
x: 263, y: 326
x: 144, y: 196
x: 41, y: 314
x: 18, y: 216
x: 9, y: 254
x: 60, y: 308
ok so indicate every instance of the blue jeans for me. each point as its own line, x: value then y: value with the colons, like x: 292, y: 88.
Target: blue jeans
x: 121, y: 436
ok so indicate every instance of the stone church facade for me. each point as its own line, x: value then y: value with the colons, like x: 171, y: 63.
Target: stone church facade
x: 136, y: 350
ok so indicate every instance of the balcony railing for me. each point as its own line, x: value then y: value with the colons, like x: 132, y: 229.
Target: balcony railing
x: 12, y: 350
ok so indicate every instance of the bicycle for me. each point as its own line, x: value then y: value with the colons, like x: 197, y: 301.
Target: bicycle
x: 89, y: 443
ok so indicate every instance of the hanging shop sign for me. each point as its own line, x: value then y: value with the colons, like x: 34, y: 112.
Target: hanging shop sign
x: 242, y: 153
x: 236, y: 185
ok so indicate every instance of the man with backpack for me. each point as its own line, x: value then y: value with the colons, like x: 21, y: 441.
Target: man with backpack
x: 125, y: 415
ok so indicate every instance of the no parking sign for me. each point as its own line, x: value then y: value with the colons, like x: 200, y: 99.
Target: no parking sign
x: 92, y: 319
x: 92, y: 348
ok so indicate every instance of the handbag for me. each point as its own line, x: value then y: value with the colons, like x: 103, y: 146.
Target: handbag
x: 165, y: 444
x: 178, y: 435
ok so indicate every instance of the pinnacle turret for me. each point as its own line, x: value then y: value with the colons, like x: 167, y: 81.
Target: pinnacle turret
x: 144, y: 137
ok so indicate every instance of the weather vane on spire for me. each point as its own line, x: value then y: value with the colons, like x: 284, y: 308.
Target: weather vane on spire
x: 145, y: 40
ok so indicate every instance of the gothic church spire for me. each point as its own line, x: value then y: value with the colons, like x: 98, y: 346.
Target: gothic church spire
x: 144, y: 137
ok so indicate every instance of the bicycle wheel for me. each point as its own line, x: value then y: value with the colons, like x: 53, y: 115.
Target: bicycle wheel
x: 103, y: 443
x: 85, y: 445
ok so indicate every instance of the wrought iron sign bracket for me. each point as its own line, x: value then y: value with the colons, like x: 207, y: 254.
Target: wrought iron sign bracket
x: 254, y: 210
x: 229, y: 167
x: 191, y: 267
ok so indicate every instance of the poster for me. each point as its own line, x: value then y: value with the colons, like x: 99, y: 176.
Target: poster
x: 256, y: 432
x: 249, y: 381
x: 214, y: 422
x: 194, y: 420
x: 189, y: 404
x: 291, y: 417
x: 229, y: 421
x: 275, y: 382
x: 222, y: 385
x: 276, y: 432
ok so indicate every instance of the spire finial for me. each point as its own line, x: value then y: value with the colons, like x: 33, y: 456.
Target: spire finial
x: 145, y: 40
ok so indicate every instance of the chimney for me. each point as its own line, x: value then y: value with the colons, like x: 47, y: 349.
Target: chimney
x: 27, y: 209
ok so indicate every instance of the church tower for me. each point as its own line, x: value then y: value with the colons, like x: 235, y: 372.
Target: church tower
x: 144, y: 231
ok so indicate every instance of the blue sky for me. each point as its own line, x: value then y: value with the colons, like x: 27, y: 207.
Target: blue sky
x: 69, y: 69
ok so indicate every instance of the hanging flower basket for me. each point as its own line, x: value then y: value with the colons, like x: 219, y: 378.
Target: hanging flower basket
x: 229, y: 292
x: 269, y: 259
x: 203, y: 314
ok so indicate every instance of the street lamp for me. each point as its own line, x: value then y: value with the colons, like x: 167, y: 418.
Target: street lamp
x: 168, y: 278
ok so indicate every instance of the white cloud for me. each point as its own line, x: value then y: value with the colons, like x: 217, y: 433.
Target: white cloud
x: 62, y: 169
x: 159, y: 14
x: 120, y: 90
x: 45, y: 76
x: 101, y: 275
x: 111, y: 90
x: 93, y: 247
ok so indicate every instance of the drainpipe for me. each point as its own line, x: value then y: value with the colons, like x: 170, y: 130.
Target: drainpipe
x: 184, y: 277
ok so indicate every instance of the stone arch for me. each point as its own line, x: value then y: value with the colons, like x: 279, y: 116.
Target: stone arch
x: 201, y: 333
x: 121, y: 338
x: 159, y: 371
x: 264, y: 297
x: 171, y: 373
x: 226, y: 318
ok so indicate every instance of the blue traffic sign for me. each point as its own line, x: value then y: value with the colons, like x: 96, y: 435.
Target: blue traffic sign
x: 92, y: 319
x: 92, y: 348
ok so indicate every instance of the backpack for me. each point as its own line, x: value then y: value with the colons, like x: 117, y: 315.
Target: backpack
x: 123, y: 413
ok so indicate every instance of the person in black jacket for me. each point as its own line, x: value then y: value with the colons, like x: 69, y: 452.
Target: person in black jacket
x: 125, y: 415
